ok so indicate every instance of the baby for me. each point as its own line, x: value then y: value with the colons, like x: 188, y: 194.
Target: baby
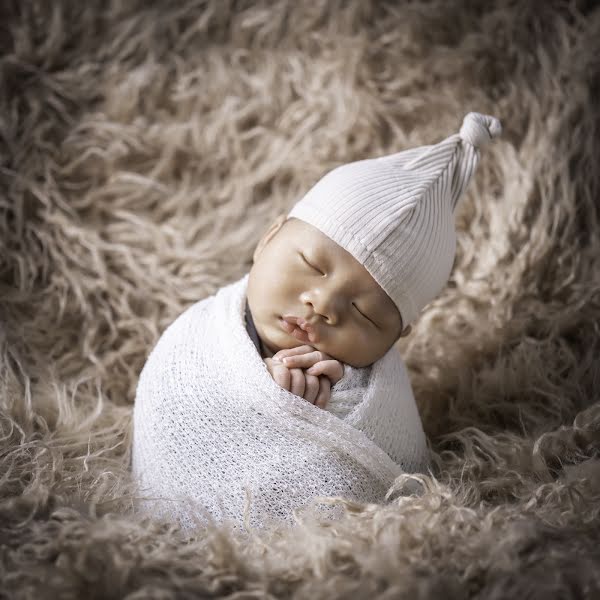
x: 225, y: 403
x: 321, y: 310
x: 340, y: 279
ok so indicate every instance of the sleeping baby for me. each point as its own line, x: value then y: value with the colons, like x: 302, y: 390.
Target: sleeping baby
x: 286, y: 386
x: 322, y: 303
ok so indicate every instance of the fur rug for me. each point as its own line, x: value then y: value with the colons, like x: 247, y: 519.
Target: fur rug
x: 146, y: 146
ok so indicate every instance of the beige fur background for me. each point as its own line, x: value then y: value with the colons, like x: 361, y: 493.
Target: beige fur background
x: 145, y: 147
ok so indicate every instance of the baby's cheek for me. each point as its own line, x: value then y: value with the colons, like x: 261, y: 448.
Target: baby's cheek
x: 351, y: 337
x: 356, y: 347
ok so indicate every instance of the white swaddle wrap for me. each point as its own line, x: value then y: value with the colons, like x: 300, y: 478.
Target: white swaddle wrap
x: 210, y: 423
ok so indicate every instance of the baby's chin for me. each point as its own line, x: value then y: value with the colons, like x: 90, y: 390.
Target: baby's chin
x: 281, y: 340
x: 290, y: 342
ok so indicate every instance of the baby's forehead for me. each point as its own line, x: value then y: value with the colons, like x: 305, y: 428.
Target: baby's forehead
x: 309, y: 235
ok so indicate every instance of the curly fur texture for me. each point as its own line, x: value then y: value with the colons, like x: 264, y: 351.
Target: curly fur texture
x: 144, y: 148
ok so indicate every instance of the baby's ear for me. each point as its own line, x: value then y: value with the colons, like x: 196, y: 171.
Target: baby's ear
x: 406, y: 331
x: 275, y: 226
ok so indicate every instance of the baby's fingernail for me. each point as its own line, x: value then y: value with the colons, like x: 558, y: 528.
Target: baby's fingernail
x: 286, y: 359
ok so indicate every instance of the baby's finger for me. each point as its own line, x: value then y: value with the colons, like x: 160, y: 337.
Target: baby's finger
x: 304, y: 360
x: 312, y: 388
x: 292, y: 351
x: 297, y: 382
x: 324, y: 392
x: 334, y: 369
x: 281, y: 375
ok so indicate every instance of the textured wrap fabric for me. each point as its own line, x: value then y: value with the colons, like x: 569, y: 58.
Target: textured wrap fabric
x: 213, y: 430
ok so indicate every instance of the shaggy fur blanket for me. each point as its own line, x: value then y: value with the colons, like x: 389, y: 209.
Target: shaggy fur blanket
x: 145, y: 147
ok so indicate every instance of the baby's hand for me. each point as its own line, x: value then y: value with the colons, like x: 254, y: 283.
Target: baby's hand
x: 315, y: 384
x: 310, y: 387
x: 314, y: 361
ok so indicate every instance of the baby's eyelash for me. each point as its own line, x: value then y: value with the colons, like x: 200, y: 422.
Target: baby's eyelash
x: 363, y: 314
x: 312, y: 266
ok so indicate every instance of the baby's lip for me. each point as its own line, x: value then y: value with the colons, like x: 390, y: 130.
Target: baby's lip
x: 302, y: 323
x: 305, y: 326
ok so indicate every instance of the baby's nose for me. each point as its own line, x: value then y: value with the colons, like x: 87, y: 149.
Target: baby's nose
x: 325, y: 304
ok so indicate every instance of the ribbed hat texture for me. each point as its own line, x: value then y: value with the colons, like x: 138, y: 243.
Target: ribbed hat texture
x: 395, y: 213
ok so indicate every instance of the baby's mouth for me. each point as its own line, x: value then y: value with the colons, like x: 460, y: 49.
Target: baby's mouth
x: 299, y: 328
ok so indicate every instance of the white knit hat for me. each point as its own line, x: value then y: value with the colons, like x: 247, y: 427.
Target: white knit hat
x: 395, y: 213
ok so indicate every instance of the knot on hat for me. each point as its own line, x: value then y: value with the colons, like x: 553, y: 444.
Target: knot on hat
x: 478, y: 129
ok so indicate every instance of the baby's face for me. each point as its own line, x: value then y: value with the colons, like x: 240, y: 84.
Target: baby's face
x: 299, y: 271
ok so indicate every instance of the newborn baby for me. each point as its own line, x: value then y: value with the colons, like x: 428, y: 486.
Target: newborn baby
x: 286, y: 384
x: 314, y: 307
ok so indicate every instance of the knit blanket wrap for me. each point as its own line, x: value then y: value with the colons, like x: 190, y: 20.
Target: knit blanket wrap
x: 216, y: 438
